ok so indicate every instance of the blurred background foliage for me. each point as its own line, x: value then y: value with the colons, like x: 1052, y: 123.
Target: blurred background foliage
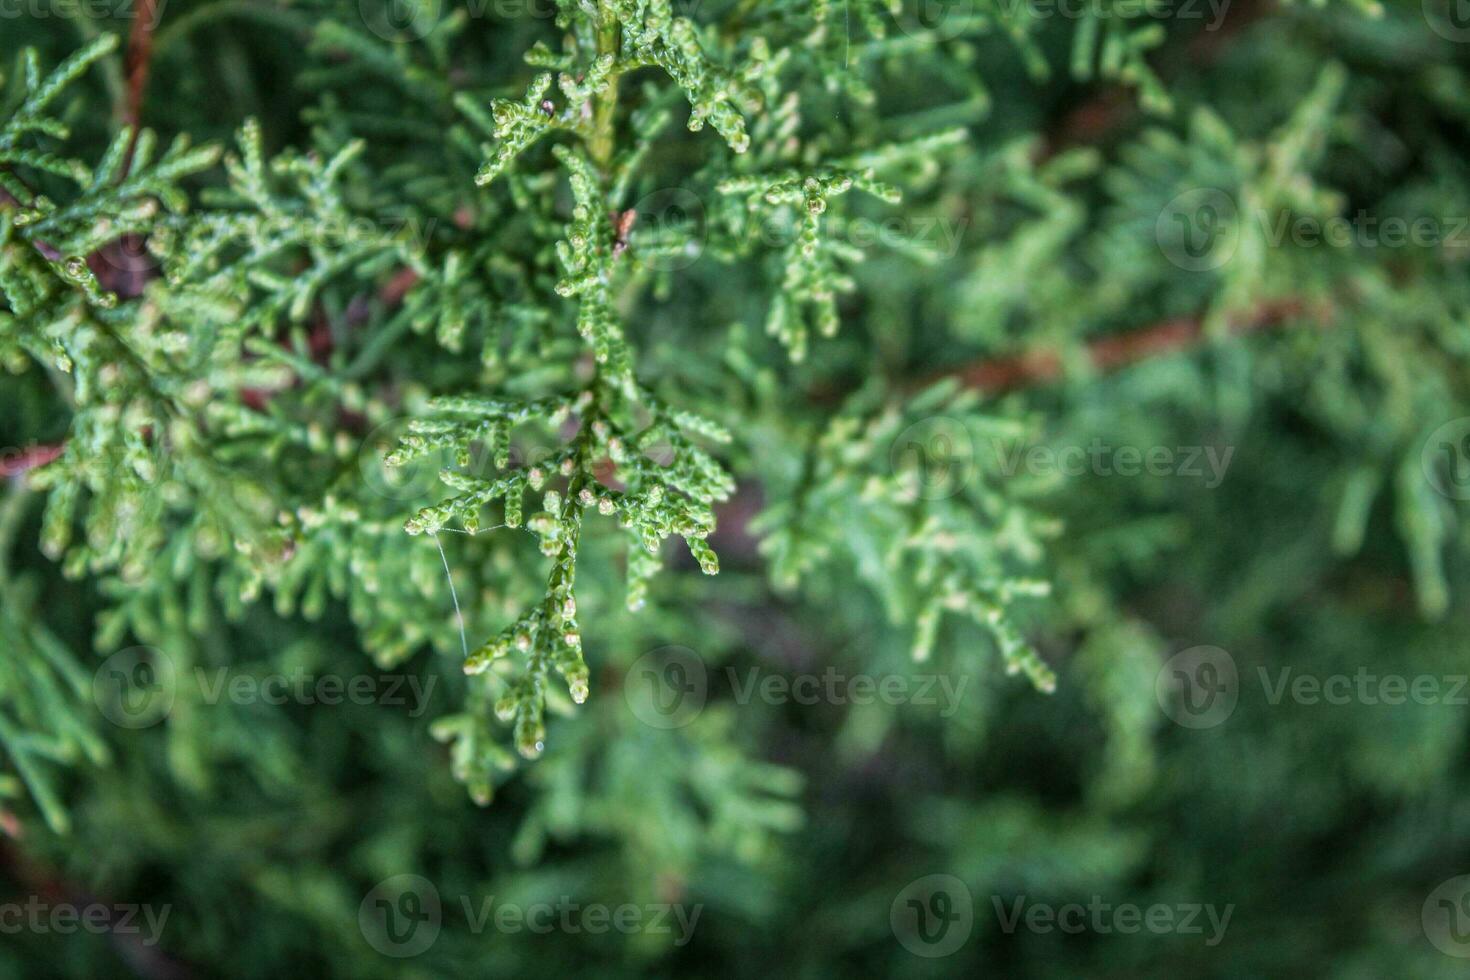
x: 1031, y: 272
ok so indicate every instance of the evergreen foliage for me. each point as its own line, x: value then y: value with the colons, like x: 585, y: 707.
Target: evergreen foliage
x: 394, y: 343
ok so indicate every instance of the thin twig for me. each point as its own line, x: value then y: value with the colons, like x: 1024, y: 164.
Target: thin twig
x: 1119, y: 350
x: 138, y: 60
x: 29, y: 459
x: 49, y: 253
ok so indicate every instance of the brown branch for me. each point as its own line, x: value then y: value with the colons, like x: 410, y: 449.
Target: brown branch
x: 1119, y: 350
x: 137, y: 62
x: 1114, y: 105
x: 1091, y: 122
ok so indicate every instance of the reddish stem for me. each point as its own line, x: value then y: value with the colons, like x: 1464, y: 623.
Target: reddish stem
x: 1119, y: 350
x: 137, y: 62
x: 13, y: 464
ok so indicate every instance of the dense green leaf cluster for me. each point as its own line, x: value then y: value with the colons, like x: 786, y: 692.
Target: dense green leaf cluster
x: 401, y: 348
